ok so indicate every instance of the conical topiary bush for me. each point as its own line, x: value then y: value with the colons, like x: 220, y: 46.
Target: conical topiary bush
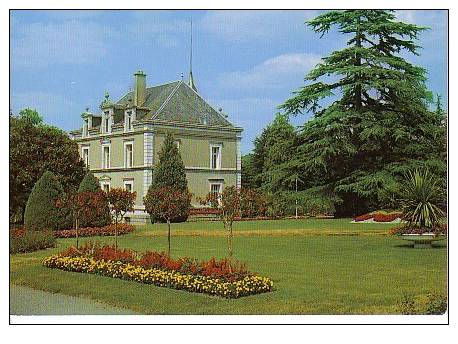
x: 41, y: 212
x: 89, y: 183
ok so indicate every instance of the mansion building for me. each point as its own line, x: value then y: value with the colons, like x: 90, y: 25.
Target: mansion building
x: 120, y: 145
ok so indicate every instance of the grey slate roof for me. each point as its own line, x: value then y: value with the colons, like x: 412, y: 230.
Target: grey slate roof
x: 177, y: 102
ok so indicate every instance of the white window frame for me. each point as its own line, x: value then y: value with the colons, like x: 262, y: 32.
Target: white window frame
x: 220, y: 185
x: 103, y: 156
x: 127, y: 143
x: 219, y: 157
x: 103, y: 183
x: 128, y: 114
x: 86, y: 161
x: 129, y: 182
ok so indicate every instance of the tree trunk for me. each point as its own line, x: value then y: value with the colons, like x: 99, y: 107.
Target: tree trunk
x: 168, y: 237
x: 76, y: 231
x: 116, y: 234
x: 229, y: 241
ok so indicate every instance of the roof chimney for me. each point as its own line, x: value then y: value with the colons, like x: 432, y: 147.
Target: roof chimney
x: 139, y: 88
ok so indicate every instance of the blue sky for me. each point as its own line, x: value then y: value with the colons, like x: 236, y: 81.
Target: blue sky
x: 247, y: 62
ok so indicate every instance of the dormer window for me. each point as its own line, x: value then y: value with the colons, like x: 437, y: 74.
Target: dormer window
x: 129, y: 117
x: 85, y: 127
x: 106, y: 125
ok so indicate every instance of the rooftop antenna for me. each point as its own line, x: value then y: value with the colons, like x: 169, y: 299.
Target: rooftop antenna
x: 191, y: 79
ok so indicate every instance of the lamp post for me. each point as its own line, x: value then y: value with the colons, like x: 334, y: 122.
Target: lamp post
x: 296, y: 197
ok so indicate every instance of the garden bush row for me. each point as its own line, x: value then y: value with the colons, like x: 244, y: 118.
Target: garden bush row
x: 27, y: 241
x: 123, y: 228
x: 220, y: 278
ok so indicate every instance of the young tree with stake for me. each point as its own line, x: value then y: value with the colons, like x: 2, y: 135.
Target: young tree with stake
x: 121, y: 201
x: 228, y: 203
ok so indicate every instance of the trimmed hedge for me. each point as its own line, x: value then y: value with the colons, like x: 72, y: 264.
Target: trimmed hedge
x: 28, y: 241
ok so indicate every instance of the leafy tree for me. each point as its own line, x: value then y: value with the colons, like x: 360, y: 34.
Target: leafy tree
x: 85, y: 207
x: 100, y: 215
x: 228, y: 202
x: 276, y: 145
x: 370, y: 119
x: 121, y: 201
x: 41, y: 212
x: 169, y: 204
x: 31, y: 116
x: 170, y: 169
x: 35, y: 148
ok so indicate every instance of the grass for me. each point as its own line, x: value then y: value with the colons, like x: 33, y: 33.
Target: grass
x: 318, y: 267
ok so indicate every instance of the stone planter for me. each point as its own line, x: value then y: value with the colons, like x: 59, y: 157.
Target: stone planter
x: 424, y: 240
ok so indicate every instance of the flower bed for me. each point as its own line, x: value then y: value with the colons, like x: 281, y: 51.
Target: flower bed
x: 379, y: 217
x: 123, y: 228
x: 204, y: 211
x: 442, y: 229
x: 219, y: 278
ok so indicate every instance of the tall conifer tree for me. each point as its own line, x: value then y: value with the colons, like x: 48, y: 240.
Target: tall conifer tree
x: 371, y: 122
x: 170, y: 171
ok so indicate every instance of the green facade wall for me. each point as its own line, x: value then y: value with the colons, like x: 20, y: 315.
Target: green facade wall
x: 194, y: 146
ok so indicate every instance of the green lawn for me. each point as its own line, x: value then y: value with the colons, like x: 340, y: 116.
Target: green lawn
x: 318, y: 267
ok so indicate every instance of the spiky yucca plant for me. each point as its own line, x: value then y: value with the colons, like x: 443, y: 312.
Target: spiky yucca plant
x: 421, y: 197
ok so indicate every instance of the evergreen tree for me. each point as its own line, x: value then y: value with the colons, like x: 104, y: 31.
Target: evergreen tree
x: 41, y: 211
x: 169, y: 174
x: 371, y: 123
x: 248, y: 172
x: 276, y: 145
x: 170, y: 171
x: 89, y: 183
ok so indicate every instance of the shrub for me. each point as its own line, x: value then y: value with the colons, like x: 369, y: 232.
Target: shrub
x: 123, y: 228
x: 253, y: 203
x: 28, y: 241
x: 437, y: 304
x: 41, y: 212
x: 421, y: 200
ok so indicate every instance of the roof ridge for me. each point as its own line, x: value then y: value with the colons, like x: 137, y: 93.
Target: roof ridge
x: 167, y: 99
x: 167, y: 83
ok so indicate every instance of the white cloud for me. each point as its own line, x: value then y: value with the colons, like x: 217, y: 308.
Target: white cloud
x: 274, y: 73
x: 242, y: 26
x: 407, y: 16
x: 152, y: 26
x: 74, y: 42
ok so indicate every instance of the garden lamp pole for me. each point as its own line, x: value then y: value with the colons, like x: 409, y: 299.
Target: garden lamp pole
x: 296, y: 197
